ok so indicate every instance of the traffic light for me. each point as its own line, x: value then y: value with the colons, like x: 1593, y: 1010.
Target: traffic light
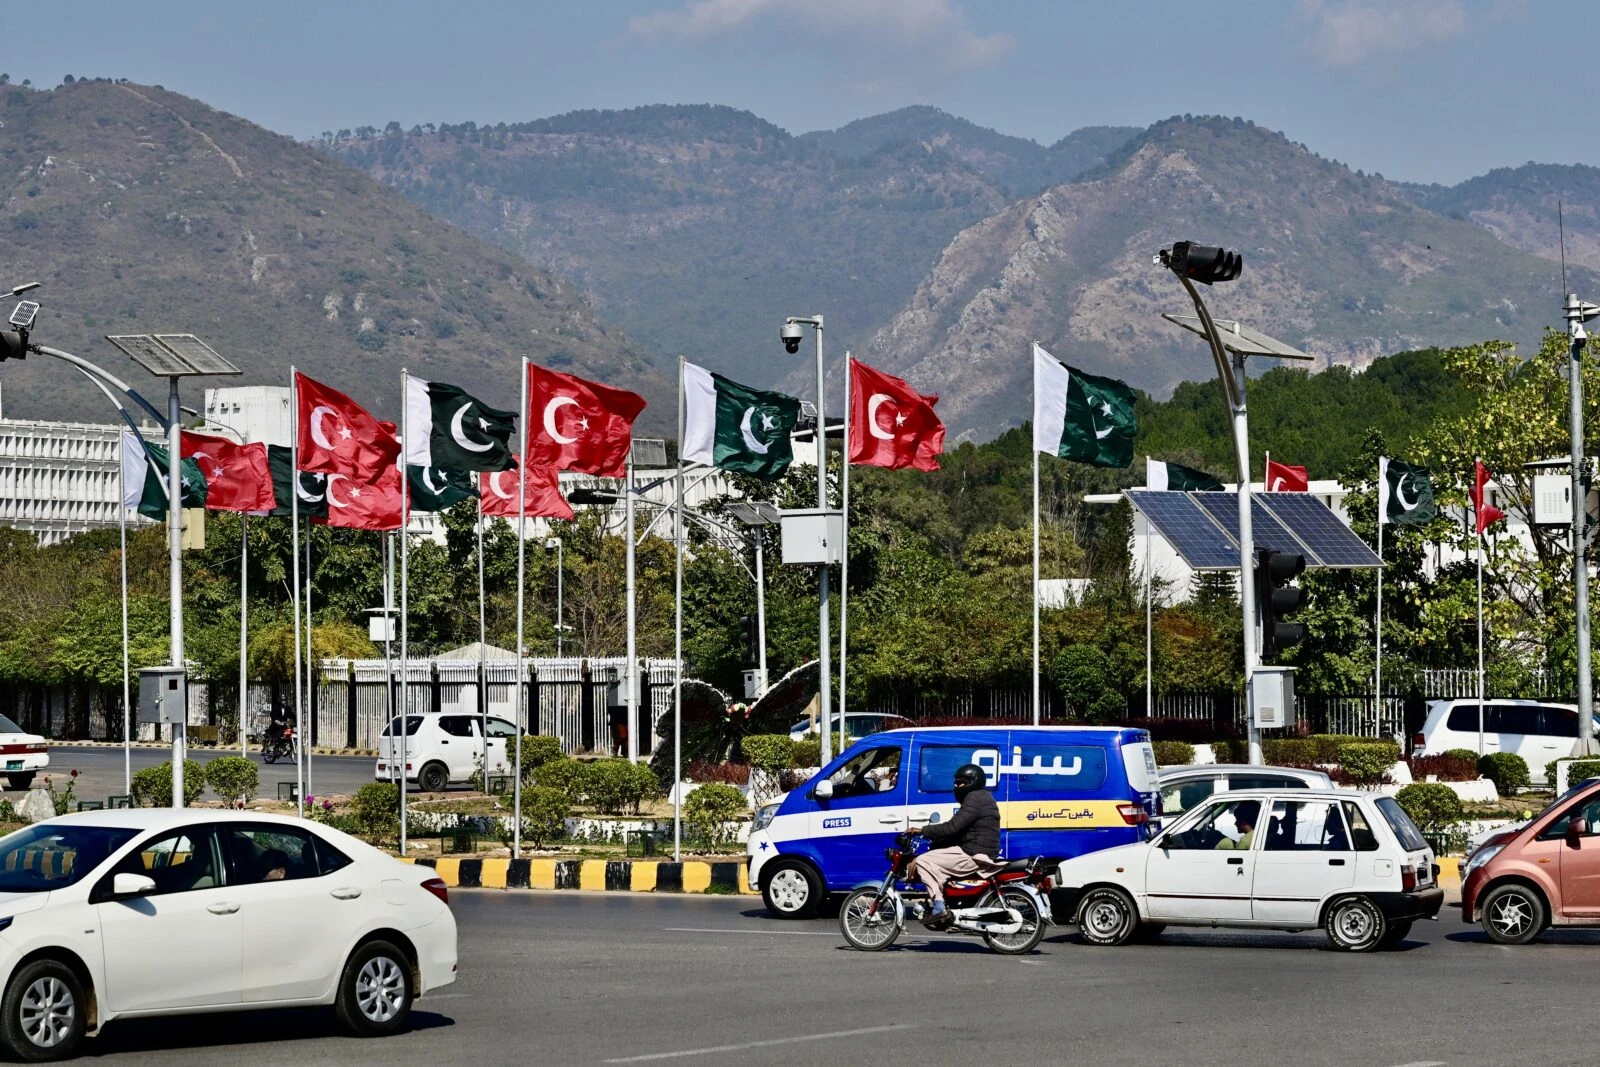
x: 1276, y: 599
x: 752, y: 639
x: 1202, y: 263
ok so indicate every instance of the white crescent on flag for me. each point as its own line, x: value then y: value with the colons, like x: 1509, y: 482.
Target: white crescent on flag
x: 494, y: 482
x: 751, y: 441
x: 550, y: 419
x: 327, y: 491
x: 317, y: 433
x: 873, y: 403
x: 459, y: 433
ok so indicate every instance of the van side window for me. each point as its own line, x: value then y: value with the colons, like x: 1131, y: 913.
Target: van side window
x: 1514, y: 719
x: 1053, y: 768
x: 1559, y: 722
x: 1361, y: 834
x: 936, y: 765
x: 877, y: 770
x: 1464, y: 719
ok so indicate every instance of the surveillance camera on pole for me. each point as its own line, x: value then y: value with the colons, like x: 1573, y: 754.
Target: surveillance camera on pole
x: 791, y: 335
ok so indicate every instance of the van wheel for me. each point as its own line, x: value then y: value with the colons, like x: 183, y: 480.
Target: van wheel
x: 1512, y: 914
x: 433, y: 778
x: 791, y: 889
x: 1107, y: 917
x: 42, y: 1017
x: 1355, y: 924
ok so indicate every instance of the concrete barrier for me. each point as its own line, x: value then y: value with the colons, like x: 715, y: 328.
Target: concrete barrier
x: 615, y: 876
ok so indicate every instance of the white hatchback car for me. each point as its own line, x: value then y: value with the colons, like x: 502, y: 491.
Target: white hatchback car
x: 1351, y: 863
x: 22, y: 755
x: 115, y: 914
x: 442, y: 749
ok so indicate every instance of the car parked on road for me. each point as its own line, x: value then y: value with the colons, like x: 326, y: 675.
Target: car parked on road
x: 1525, y: 879
x: 1185, y: 786
x: 442, y: 749
x: 22, y: 755
x: 856, y: 725
x: 1350, y: 863
x: 1538, y: 731
x: 124, y: 913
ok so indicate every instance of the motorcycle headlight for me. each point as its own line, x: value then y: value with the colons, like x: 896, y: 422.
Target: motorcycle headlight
x: 1479, y: 858
x: 764, y: 816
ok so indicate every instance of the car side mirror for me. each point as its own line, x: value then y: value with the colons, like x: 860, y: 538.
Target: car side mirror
x: 823, y: 790
x: 1576, y: 828
x: 132, y: 885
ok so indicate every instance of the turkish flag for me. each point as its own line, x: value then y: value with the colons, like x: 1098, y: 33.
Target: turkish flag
x: 498, y: 491
x: 579, y: 425
x: 891, y: 424
x: 357, y: 505
x: 336, y: 435
x: 1282, y: 478
x: 237, y: 476
x: 1486, y: 513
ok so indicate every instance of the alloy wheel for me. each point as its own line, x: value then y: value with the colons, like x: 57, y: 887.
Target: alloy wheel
x: 48, y: 1012
x: 1511, y: 915
x: 380, y: 989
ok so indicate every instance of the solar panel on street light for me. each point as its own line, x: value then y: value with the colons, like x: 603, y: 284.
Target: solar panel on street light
x: 173, y: 355
x: 1315, y: 524
x: 1266, y: 530
x: 1237, y: 337
x: 752, y: 513
x: 1203, y: 544
x: 649, y: 452
x: 199, y: 355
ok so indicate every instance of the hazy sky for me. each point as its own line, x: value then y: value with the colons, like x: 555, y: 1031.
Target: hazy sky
x: 1421, y: 90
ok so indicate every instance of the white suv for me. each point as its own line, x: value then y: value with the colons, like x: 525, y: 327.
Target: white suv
x: 1350, y: 863
x: 442, y: 749
x: 1538, y: 731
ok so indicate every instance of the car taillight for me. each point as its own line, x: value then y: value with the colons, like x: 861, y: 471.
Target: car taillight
x: 1417, y: 741
x: 437, y: 887
x: 1408, y: 878
x: 1133, y: 814
x: 39, y: 746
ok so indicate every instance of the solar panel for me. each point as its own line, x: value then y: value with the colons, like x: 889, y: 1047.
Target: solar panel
x: 143, y: 350
x: 1333, y: 542
x: 649, y: 452
x: 201, y: 357
x: 1265, y: 529
x: 1176, y: 517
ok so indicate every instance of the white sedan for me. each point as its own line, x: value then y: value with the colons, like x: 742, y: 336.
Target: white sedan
x: 125, y: 913
x: 22, y: 755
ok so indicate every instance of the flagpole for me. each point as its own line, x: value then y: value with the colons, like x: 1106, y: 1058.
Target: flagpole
x: 127, y: 690
x: 1377, y: 670
x: 677, y: 638
x: 844, y: 558
x: 388, y: 637
x: 405, y: 622
x: 1149, y: 620
x: 522, y: 667
x: 244, y: 629
x: 294, y: 579
x: 1036, y: 574
x: 304, y: 753
x: 1477, y: 517
x: 483, y: 655
x: 630, y: 678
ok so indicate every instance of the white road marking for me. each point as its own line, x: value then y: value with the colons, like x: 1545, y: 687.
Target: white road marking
x: 1423, y: 1063
x: 759, y: 1044
x: 724, y: 930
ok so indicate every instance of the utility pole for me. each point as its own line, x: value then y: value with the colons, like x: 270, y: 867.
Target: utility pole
x: 1577, y: 313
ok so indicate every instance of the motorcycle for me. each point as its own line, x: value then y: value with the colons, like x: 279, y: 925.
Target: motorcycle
x: 278, y: 746
x: 1009, y: 909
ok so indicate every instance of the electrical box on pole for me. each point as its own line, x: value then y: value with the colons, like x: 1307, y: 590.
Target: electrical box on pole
x: 1272, y: 697
x: 163, y: 695
x: 812, y: 536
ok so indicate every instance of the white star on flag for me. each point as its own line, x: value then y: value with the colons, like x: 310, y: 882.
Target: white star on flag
x: 344, y: 433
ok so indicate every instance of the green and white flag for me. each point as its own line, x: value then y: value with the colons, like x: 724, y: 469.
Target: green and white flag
x: 144, y: 478
x: 1159, y: 474
x: 433, y: 489
x: 1081, y: 416
x: 1405, y: 493
x: 735, y: 428
x: 449, y: 429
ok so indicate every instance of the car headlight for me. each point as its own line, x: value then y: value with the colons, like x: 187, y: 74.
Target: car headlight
x: 1479, y: 858
x: 764, y: 816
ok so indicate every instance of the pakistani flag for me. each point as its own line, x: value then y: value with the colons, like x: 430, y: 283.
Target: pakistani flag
x: 1177, y: 478
x: 144, y: 478
x: 1405, y: 493
x: 735, y: 428
x: 449, y: 429
x: 433, y: 489
x: 1081, y: 416
x: 313, y: 487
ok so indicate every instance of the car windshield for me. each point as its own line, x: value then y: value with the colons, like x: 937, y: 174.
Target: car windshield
x: 7, y: 726
x: 53, y: 855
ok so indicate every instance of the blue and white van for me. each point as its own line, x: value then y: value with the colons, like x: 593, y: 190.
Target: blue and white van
x: 1062, y: 790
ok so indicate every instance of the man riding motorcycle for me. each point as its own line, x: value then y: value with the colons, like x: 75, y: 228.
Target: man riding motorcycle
x: 966, y: 845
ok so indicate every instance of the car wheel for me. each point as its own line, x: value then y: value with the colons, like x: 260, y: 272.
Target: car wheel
x: 375, y: 991
x: 433, y: 778
x: 1107, y: 917
x: 1512, y: 914
x: 1355, y: 924
x: 43, y: 1012
x: 1147, y: 932
x: 1396, y: 934
x: 20, y: 781
x: 791, y: 889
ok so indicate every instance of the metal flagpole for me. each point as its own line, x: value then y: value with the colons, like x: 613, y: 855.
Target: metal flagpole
x: 405, y: 624
x: 522, y: 663
x: 244, y: 631
x: 631, y: 677
x: 483, y: 654
x: 677, y: 643
x: 1036, y: 577
x: 294, y: 578
x: 303, y: 749
x: 1477, y: 521
x: 127, y: 690
x: 388, y: 637
x: 1149, y: 639
x: 844, y: 556
x: 1383, y: 514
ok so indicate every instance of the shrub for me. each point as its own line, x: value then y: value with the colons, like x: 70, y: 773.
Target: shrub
x: 537, y: 750
x: 726, y: 773
x: 1289, y: 751
x: 710, y: 808
x: 567, y: 775
x: 1446, y: 768
x: 1173, y: 753
x: 1085, y: 676
x: 805, y: 754
x: 152, y: 787
x: 1464, y: 753
x: 616, y: 786
x: 1577, y: 771
x: 1194, y: 731
x: 1434, y: 807
x: 1507, y: 770
x: 544, y: 813
x: 1231, y: 751
x: 376, y: 810
x: 1366, y: 762
x: 1328, y: 745
x: 769, y: 752
x: 233, y: 778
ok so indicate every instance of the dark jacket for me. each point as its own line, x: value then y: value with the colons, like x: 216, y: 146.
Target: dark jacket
x: 975, y: 827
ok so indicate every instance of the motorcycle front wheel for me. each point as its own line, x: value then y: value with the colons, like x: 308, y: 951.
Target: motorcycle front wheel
x: 1024, y: 940
x: 866, y: 928
x: 269, y: 752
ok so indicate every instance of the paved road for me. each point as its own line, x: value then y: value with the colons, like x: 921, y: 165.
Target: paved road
x: 568, y: 978
x: 100, y: 770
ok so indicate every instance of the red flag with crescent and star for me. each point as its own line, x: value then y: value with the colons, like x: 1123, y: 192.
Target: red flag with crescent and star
x: 1485, y: 512
x: 237, y: 476
x: 335, y: 435
x: 1283, y: 478
x: 578, y: 425
x: 891, y: 424
x: 357, y: 505
x: 497, y: 494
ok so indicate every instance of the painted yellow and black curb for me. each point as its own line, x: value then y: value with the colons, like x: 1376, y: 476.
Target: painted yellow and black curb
x: 1449, y: 871
x: 621, y: 876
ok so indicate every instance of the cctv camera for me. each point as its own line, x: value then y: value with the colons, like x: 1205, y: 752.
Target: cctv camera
x: 791, y: 335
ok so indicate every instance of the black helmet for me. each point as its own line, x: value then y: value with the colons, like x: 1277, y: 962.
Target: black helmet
x: 969, y: 776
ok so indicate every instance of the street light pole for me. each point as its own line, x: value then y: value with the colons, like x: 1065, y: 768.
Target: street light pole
x: 824, y: 630
x: 1577, y: 313
x: 175, y: 567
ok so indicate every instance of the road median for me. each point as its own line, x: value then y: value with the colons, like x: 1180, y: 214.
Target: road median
x: 614, y: 876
